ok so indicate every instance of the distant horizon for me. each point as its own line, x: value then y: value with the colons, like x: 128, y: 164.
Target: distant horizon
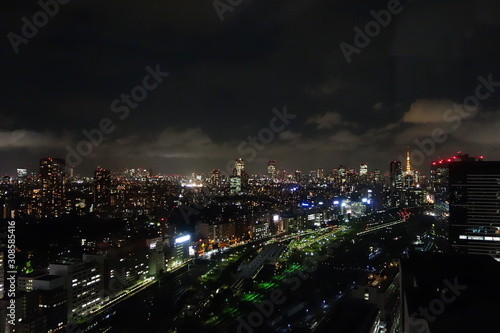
x: 89, y: 172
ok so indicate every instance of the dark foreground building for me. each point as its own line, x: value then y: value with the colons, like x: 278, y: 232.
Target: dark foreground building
x: 475, y: 207
x: 443, y: 293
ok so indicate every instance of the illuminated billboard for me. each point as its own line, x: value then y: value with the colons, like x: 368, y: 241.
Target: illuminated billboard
x: 182, y: 239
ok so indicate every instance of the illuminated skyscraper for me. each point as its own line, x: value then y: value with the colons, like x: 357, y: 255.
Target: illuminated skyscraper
x: 363, y: 169
x: 102, y: 189
x: 395, y: 175
x: 215, y: 178
x: 281, y: 174
x: 342, y: 174
x: 239, y: 167
x: 377, y: 176
x: 235, y: 185
x: 271, y: 170
x: 22, y: 174
x: 440, y: 182
x: 475, y: 207
x: 298, y: 175
x: 53, y: 180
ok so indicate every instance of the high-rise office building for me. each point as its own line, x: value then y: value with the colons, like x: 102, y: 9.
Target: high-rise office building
x: 475, y: 207
x: 215, y: 177
x: 363, y: 169
x: 298, y: 175
x: 439, y: 179
x: 102, y: 189
x: 281, y: 174
x: 342, y: 173
x: 234, y: 185
x: 53, y: 181
x: 82, y: 281
x: 377, y: 176
x: 239, y: 167
x: 22, y: 175
x: 271, y: 170
x: 395, y: 175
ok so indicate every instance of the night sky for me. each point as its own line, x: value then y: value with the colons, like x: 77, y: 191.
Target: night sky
x: 226, y: 77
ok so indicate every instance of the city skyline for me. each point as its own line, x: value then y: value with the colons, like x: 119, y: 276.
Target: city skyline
x: 200, y: 88
x: 250, y: 168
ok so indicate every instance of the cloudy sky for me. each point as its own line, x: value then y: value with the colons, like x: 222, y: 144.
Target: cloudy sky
x: 421, y: 78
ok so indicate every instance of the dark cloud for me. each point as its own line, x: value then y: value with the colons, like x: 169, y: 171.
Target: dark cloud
x: 226, y: 77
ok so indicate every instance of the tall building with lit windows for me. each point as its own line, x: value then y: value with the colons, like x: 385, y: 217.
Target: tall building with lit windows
x: 298, y: 175
x: 234, y: 185
x: 22, y: 175
x: 82, y: 281
x: 363, y: 169
x: 215, y: 177
x: 440, y: 182
x: 102, y: 189
x: 475, y: 207
x: 239, y: 167
x: 53, y: 181
x: 395, y: 175
x: 271, y: 170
